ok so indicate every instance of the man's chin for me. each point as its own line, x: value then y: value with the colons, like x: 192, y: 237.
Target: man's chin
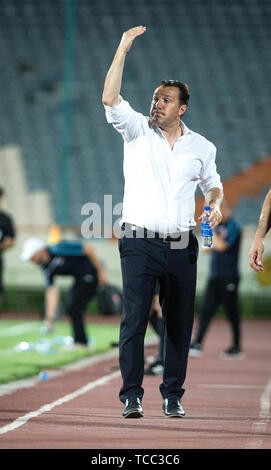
x: 157, y: 119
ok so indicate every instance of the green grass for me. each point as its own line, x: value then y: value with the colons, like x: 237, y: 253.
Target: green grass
x: 16, y: 364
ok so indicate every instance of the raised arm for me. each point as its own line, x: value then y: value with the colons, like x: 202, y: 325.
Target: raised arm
x: 257, y: 248
x: 112, y: 85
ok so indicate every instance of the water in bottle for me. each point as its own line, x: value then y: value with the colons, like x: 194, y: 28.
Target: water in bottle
x: 206, y: 231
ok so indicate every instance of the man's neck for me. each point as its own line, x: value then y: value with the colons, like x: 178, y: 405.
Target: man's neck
x: 173, y: 133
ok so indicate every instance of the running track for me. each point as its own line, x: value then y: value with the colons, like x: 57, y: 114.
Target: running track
x: 227, y: 403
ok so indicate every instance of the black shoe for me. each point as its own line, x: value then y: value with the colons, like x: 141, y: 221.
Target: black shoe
x: 133, y: 408
x: 156, y: 368
x: 232, y: 352
x: 172, y: 408
x: 195, y: 350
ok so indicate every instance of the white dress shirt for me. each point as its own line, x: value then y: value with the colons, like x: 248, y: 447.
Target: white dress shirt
x: 160, y: 182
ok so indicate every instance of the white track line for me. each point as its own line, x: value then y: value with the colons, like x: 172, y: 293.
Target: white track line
x: 77, y: 365
x: 233, y: 386
x: 33, y: 414
x: 265, y: 402
x: 260, y: 426
x: 11, y: 387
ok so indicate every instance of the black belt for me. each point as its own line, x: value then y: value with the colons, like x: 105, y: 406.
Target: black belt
x: 142, y: 232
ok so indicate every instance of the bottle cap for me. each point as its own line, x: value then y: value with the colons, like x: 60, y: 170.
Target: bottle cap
x: 207, y: 208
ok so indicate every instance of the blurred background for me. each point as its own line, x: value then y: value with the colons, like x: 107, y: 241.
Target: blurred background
x: 57, y: 152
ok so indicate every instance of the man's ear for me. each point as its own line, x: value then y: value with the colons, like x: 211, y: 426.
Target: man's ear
x: 182, y: 109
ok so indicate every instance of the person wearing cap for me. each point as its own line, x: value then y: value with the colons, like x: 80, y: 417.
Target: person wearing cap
x: 67, y: 258
x: 7, y: 240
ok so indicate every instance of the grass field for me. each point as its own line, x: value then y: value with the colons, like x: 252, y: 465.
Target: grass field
x: 25, y: 352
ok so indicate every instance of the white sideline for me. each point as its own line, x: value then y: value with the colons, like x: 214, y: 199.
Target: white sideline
x: 43, y: 409
x: 80, y: 364
x: 11, y: 387
x: 259, y: 427
x: 15, y: 385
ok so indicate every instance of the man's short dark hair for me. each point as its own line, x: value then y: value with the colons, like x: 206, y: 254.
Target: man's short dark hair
x: 1, y: 191
x: 184, y: 93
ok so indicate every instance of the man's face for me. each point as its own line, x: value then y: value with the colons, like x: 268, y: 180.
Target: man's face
x: 165, y: 107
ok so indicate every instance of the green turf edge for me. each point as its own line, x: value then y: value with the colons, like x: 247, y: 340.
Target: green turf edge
x: 21, y: 365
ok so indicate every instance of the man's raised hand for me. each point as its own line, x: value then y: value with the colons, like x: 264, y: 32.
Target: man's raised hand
x: 113, y: 81
x: 129, y: 36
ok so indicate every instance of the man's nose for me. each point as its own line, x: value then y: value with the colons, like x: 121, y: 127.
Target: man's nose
x: 159, y: 103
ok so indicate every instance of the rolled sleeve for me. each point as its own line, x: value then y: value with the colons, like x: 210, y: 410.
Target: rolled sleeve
x: 116, y: 113
x: 125, y: 120
x: 209, y: 176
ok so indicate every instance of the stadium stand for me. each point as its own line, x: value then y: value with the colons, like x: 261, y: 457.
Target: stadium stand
x: 220, y: 48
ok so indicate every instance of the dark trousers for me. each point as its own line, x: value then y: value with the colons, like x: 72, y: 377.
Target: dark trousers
x: 80, y: 294
x: 220, y: 291
x: 143, y: 261
x: 158, y: 324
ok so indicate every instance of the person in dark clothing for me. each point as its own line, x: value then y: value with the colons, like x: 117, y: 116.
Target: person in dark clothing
x: 67, y: 259
x: 7, y: 240
x: 222, y: 285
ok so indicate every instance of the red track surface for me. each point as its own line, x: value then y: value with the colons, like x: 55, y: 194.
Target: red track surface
x: 227, y: 404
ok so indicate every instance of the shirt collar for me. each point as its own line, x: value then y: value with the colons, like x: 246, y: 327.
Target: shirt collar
x: 186, y: 130
x: 155, y: 127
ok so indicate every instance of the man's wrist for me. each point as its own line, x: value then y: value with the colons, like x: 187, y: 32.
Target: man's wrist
x: 121, y: 51
x: 214, y: 204
x: 259, y: 238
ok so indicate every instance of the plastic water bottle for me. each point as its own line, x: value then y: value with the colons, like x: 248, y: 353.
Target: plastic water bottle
x: 206, y: 231
x: 43, y: 376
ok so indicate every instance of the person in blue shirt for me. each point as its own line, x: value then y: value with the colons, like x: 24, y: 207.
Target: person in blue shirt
x: 67, y: 259
x: 222, y: 285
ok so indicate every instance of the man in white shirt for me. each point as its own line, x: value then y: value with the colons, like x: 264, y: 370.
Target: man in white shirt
x: 164, y: 161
